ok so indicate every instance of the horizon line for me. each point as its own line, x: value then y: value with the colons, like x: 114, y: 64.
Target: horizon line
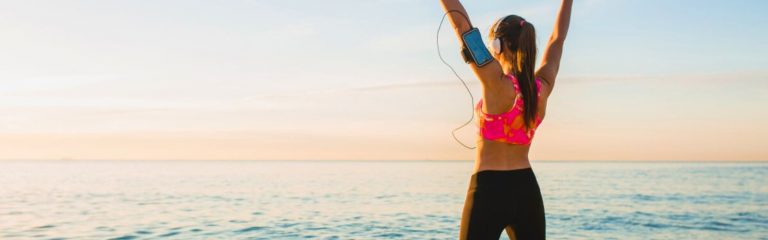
x: 367, y: 160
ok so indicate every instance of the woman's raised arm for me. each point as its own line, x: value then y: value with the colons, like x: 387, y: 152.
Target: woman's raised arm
x: 489, y: 74
x: 550, y: 64
x: 457, y: 15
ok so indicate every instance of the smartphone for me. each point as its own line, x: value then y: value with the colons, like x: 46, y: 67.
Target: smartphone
x: 474, y: 48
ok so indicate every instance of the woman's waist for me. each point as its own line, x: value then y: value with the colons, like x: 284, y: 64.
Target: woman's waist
x: 492, y: 155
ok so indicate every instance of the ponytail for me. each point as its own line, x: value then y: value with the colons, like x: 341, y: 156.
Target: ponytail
x: 524, y: 62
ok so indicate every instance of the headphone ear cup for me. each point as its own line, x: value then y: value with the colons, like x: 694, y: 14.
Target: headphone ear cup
x: 496, y: 46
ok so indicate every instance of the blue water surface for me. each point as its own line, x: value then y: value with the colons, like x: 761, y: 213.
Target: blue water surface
x: 368, y: 199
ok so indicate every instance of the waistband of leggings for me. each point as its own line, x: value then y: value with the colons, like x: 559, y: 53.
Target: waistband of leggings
x: 501, y: 176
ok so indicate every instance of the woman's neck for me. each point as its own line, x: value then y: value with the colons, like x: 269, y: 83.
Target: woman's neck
x: 505, y: 67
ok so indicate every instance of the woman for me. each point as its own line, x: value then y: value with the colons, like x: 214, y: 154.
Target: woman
x: 503, y: 191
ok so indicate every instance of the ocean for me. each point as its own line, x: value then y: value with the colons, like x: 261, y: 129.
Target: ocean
x: 369, y: 199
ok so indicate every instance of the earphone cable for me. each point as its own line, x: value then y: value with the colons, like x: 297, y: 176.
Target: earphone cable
x: 471, y: 97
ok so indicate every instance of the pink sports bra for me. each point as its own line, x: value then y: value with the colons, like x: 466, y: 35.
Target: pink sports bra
x: 507, y: 127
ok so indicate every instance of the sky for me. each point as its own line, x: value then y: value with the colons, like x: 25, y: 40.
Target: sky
x: 361, y: 80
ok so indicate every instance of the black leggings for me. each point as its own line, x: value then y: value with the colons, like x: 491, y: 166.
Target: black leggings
x: 498, y: 199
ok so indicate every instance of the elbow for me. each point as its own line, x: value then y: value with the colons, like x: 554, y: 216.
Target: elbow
x: 559, y: 34
x: 557, y: 39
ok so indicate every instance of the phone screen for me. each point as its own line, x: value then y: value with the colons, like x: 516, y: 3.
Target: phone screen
x: 474, y: 42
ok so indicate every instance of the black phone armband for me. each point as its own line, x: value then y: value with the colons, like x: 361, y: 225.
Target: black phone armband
x: 474, y: 50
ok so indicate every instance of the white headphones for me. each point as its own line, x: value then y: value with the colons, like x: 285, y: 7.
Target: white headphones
x: 496, y: 44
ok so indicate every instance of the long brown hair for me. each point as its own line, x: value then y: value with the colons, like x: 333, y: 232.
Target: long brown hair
x: 518, y: 40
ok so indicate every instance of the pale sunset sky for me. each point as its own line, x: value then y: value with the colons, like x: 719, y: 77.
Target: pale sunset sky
x: 360, y: 80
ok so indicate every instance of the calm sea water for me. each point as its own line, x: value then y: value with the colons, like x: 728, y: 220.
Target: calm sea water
x: 368, y: 200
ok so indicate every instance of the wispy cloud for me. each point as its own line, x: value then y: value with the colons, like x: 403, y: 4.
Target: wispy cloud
x: 397, y: 86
